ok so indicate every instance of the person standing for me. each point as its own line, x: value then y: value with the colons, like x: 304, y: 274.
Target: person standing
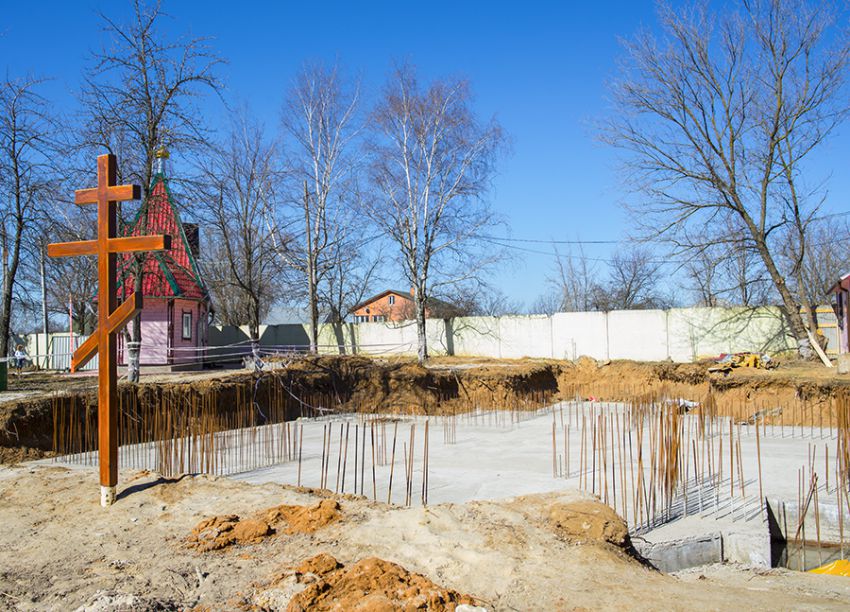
x: 20, y: 357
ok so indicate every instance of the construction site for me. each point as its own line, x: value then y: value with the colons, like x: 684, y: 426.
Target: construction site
x: 463, y: 307
x: 337, y: 482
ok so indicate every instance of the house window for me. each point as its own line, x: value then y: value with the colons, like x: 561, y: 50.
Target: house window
x: 187, y: 325
x: 392, y: 300
x: 378, y: 318
x: 361, y: 318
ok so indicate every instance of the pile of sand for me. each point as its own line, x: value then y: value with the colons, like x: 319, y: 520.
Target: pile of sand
x: 222, y: 531
x: 589, y: 522
x: 368, y: 584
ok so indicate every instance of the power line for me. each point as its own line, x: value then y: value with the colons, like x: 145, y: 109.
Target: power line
x: 540, y: 241
x: 499, y: 242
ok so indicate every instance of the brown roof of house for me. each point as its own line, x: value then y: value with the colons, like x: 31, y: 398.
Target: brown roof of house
x: 374, y: 298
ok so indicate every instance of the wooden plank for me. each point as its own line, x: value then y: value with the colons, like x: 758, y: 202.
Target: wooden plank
x: 107, y: 396
x: 66, y: 249
x: 140, y: 243
x: 117, y: 320
x: 114, y: 193
x: 84, y: 352
x: 126, y: 311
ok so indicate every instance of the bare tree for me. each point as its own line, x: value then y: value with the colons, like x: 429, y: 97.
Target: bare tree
x: 432, y: 162
x: 702, y: 277
x: 242, y: 183
x: 26, y: 144
x: 719, y: 116
x: 352, y: 276
x: 320, y: 117
x: 481, y: 301
x: 727, y: 271
x: 139, y: 96
x: 575, y: 281
x: 72, y: 281
x: 633, y: 279
x: 817, y: 257
x: 547, y: 303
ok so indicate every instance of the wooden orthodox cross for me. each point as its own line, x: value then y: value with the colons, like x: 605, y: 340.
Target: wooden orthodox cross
x: 110, y: 320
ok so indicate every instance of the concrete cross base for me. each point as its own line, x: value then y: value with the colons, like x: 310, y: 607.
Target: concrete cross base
x: 107, y: 496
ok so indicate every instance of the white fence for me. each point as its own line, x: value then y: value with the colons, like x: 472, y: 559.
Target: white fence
x: 53, y: 351
x: 679, y: 334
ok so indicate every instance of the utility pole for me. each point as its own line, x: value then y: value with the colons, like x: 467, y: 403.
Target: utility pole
x: 44, y: 329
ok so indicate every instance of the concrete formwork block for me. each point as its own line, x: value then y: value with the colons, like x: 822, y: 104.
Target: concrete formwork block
x: 682, y: 554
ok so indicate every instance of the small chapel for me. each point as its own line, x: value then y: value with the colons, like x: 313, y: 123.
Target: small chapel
x: 176, y: 309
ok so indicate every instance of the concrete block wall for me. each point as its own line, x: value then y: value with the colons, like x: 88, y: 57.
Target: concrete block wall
x: 638, y: 334
x: 580, y: 333
x: 529, y: 336
x: 679, y: 334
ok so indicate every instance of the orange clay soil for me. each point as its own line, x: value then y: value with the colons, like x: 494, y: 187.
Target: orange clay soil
x: 369, y: 584
x: 225, y: 530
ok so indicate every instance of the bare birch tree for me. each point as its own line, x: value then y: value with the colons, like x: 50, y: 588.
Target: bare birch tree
x: 139, y: 96
x: 719, y: 116
x: 432, y: 162
x: 320, y: 120
x: 241, y: 181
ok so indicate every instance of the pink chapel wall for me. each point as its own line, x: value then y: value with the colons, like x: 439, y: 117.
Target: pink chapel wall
x: 162, y: 332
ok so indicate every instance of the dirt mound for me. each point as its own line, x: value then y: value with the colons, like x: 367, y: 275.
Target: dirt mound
x: 305, y: 519
x: 12, y: 456
x: 370, y: 584
x: 589, y: 522
x: 222, y: 531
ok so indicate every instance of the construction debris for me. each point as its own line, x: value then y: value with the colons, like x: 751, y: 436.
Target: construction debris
x: 728, y: 362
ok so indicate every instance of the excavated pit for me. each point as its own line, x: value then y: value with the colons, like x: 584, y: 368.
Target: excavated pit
x: 57, y: 422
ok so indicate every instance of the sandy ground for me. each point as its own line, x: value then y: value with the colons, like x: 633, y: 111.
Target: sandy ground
x: 59, y: 550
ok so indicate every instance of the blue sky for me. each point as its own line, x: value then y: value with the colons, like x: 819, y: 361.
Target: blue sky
x: 540, y: 68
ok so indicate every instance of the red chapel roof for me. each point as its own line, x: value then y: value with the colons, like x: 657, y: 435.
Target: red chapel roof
x: 171, y: 273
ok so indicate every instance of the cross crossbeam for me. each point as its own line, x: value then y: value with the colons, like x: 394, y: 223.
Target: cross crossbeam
x: 110, y: 317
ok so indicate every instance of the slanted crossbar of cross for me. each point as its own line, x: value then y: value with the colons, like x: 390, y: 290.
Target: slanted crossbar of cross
x: 110, y: 319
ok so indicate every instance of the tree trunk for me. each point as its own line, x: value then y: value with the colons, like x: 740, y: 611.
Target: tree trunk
x: 810, y: 308
x: 9, y: 274
x: 314, y: 311
x: 134, y: 344
x: 254, y: 333
x: 312, y: 290
x: 789, y: 305
x: 420, y: 326
x: 5, y: 317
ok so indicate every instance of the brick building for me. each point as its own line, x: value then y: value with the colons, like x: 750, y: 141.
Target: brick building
x: 394, y: 305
